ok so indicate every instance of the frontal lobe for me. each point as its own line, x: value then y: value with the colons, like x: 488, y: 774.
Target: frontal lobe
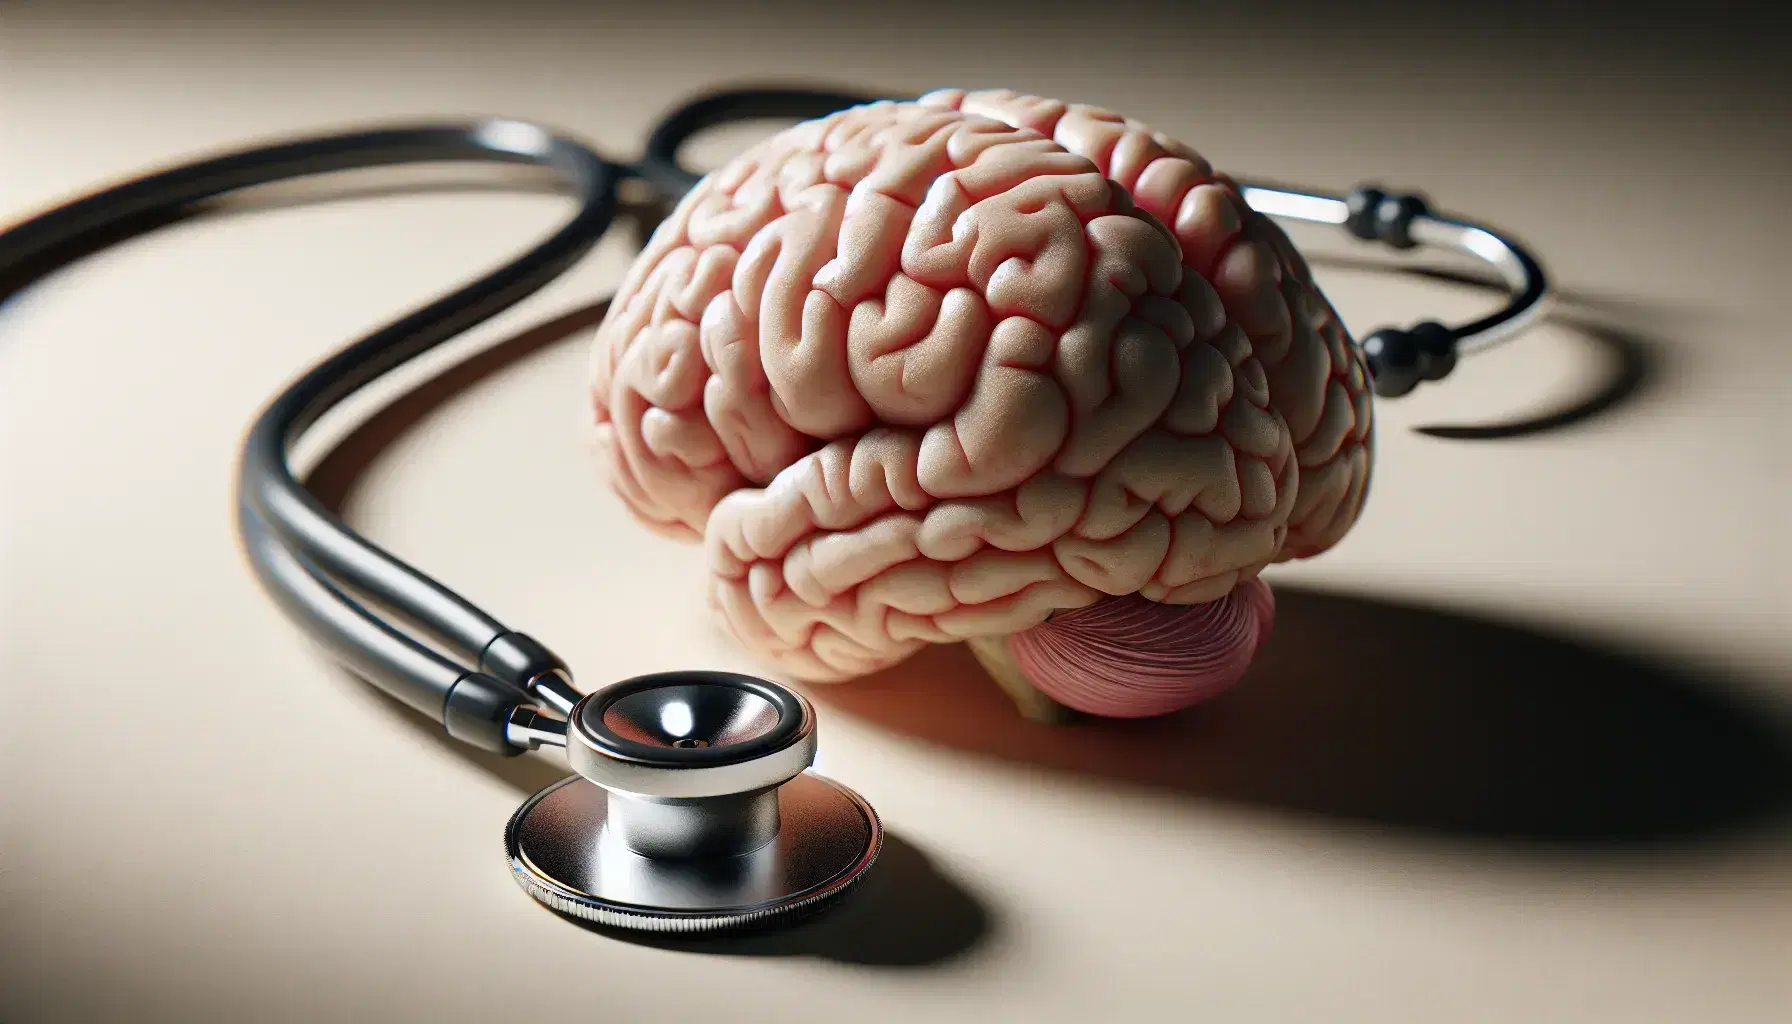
x: 929, y: 371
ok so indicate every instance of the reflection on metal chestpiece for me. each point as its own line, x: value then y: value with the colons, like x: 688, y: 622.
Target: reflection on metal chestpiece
x: 693, y: 810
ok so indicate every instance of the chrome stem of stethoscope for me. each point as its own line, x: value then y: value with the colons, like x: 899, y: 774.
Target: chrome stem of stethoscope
x: 531, y: 728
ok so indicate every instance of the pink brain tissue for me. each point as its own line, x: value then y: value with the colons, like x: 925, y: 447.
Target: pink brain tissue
x: 989, y: 368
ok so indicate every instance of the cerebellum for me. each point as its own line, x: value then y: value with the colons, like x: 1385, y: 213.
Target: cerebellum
x: 1131, y: 657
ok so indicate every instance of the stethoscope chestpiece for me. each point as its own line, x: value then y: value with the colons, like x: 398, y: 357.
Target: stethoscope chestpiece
x: 693, y: 810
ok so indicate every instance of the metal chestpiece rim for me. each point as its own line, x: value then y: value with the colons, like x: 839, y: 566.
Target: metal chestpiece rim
x: 756, y: 755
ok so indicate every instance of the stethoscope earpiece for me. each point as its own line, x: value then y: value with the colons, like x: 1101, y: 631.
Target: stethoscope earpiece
x: 693, y: 810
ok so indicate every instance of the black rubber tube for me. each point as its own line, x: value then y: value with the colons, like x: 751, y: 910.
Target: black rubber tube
x: 293, y: 544
x: 474, y: 707
x: 266, y: 481
x: 396, y: 664
x: 659, y: 164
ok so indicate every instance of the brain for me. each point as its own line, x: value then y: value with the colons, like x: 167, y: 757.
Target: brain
x: 933, y: 371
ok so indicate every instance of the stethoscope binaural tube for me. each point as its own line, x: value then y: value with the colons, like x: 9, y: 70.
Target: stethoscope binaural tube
x: 1400, y: 359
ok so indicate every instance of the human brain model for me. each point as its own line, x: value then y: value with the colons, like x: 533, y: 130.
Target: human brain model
x: 985, y: 368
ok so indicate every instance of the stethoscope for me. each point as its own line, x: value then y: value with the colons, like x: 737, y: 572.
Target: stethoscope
x: 694, y: 807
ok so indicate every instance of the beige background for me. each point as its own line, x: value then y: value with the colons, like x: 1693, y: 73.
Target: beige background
x: 1425, y: 805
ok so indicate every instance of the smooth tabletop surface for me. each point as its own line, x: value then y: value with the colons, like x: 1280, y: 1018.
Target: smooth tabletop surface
x: 1514, y: 753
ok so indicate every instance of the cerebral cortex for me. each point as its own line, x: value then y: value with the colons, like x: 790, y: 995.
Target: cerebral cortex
x: 922, y: 372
